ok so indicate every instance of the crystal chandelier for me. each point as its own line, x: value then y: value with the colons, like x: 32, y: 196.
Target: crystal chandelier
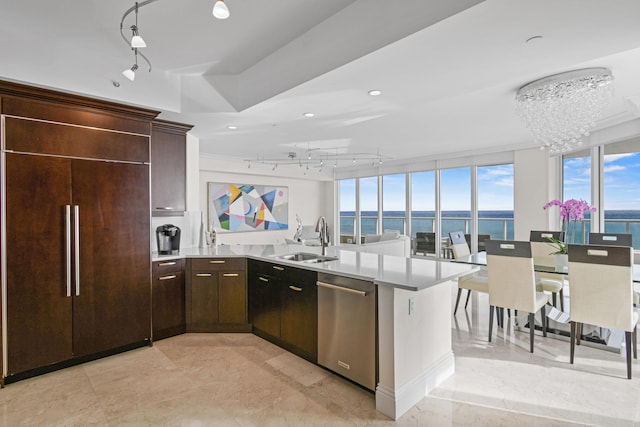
x: 561, y: 109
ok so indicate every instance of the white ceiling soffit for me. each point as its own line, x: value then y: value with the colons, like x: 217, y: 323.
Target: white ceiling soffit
x: 359, y: 29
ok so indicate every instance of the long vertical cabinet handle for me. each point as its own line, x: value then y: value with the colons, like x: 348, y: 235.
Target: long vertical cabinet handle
x: 67, y: 209
x: 76, y: 226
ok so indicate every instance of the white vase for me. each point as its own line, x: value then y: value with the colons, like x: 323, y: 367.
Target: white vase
x: 562, y: 262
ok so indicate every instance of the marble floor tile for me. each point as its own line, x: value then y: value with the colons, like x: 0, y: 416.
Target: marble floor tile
x: 243, y: 380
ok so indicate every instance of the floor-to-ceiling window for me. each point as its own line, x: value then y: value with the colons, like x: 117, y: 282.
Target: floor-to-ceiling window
x: 576, y: 171
x: 369, y: 205
x: 383, y: 204
x: 495, y: 201
x: 423, y: 202
x: 621, y: 195
x: 455, y: 200
x: 347, y: 209
x: 394, y: 202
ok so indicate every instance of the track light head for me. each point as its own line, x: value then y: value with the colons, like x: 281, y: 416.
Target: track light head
x: 130, y: 73
x: 220, y: 10
x: 136, y: 40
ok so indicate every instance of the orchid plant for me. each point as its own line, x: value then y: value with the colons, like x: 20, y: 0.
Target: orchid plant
x: 571, y: 211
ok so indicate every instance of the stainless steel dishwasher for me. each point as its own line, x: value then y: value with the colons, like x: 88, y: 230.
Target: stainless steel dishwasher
x: 347, y: 328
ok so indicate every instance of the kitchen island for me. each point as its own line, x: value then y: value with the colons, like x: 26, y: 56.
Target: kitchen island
x: 413, y: 312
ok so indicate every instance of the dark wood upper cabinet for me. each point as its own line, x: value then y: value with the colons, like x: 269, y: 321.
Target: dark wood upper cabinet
x: 168, y: 168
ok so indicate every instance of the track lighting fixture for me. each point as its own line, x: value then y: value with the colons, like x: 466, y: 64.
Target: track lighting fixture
x: 136, y: 40
x: 220, y: 10
x: 130, y: 73
x: 317, y: 159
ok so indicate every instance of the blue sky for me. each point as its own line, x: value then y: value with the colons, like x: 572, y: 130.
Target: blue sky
x: 621, y: 180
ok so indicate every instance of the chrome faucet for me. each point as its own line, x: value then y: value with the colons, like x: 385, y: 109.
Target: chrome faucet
x: 322, y: 228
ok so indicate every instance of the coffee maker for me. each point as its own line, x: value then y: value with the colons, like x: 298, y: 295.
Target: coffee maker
x: 168, y: 238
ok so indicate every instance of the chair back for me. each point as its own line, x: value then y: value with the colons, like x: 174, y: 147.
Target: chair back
x: 602, y: 285
x: 610, y: 239
x: 459, y: 244
x: 481, y: 239
x: 512, y: 282
x: 542, y: 249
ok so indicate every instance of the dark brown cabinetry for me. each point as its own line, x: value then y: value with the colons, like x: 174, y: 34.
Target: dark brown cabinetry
x: 283, y: 306
x: 168, y: 167
x: 168, y: 299
x: 217, y: 295
x: 76, y: 227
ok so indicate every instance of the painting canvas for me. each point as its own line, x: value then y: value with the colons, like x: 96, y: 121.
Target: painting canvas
x: 246, y: 207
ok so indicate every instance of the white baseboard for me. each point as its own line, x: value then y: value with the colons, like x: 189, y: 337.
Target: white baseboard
x: 394, y: 403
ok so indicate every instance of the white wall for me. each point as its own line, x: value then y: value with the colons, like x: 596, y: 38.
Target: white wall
x: 309, y: 198
x: 535, y: 182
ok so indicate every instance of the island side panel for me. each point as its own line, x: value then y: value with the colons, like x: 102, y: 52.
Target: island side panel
x: 415, y: 353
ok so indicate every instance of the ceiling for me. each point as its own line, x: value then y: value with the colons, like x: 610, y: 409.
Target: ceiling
x: 448, y: 71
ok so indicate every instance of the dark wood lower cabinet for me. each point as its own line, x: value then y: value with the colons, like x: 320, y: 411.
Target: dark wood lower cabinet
x: 168, y: 299
x: 283, y: 307
x: 299, y: 313
x: 216, y: 295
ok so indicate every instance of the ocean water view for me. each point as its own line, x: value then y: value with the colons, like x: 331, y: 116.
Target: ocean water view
x: 497, y: 223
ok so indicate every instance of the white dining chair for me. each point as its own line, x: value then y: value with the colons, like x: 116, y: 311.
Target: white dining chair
x: 512, y: 283
x: 614, y: 239
x: 471, y: 282
x: 542, y: 252
x: 602, y: 293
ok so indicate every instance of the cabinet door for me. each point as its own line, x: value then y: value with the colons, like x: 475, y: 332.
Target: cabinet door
x: 264, y: 304
x: 168, y: 304
x: 168, y: 171
x: 204, y: 299
x: 232, y: 297
x: 113, y: 308
x: 38, y: 305
x: 299, y: 313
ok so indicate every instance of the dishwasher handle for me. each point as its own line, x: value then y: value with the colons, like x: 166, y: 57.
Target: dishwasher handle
x: 341, y: 288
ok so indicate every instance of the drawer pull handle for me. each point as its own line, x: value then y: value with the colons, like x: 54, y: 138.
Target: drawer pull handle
x: 217, y: 261
x: 295, y: 288
x: 203, y: 274
x: 164, y: 208
x: 264, y: 279
x: 230, y: 274
x: 164, y: 264
x: 173, y: 276
x: 277, y: 267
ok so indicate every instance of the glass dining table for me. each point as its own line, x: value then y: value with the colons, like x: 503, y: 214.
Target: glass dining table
x: 558, y: 321
x: 480, y: 259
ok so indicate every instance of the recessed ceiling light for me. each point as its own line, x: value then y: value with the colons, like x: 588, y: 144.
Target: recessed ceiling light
x: 375, y: 92
x: 308, y: 114
x: 232, y: 127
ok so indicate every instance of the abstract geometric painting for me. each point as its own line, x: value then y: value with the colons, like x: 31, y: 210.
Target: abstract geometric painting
x: 243, y: 207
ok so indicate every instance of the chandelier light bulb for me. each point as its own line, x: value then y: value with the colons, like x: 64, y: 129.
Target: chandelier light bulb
x: 220, y: 10
x: 130, y: 73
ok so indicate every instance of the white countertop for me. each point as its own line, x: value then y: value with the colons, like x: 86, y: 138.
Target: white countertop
x: 412, y: 274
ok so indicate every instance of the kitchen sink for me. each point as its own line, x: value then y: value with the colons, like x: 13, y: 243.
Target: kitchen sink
x: 306, y: 257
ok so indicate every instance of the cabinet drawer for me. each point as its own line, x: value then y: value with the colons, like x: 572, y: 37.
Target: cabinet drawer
x: 218, y: 264
x: 168, y: 266
x: 270, y: 269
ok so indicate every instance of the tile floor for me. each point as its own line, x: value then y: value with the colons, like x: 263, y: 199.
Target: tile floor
x: 242, y: 380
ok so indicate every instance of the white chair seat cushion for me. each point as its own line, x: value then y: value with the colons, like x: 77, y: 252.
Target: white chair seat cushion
x: 474, y: 282
x: 549, y: 285
x: 541, y: 300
